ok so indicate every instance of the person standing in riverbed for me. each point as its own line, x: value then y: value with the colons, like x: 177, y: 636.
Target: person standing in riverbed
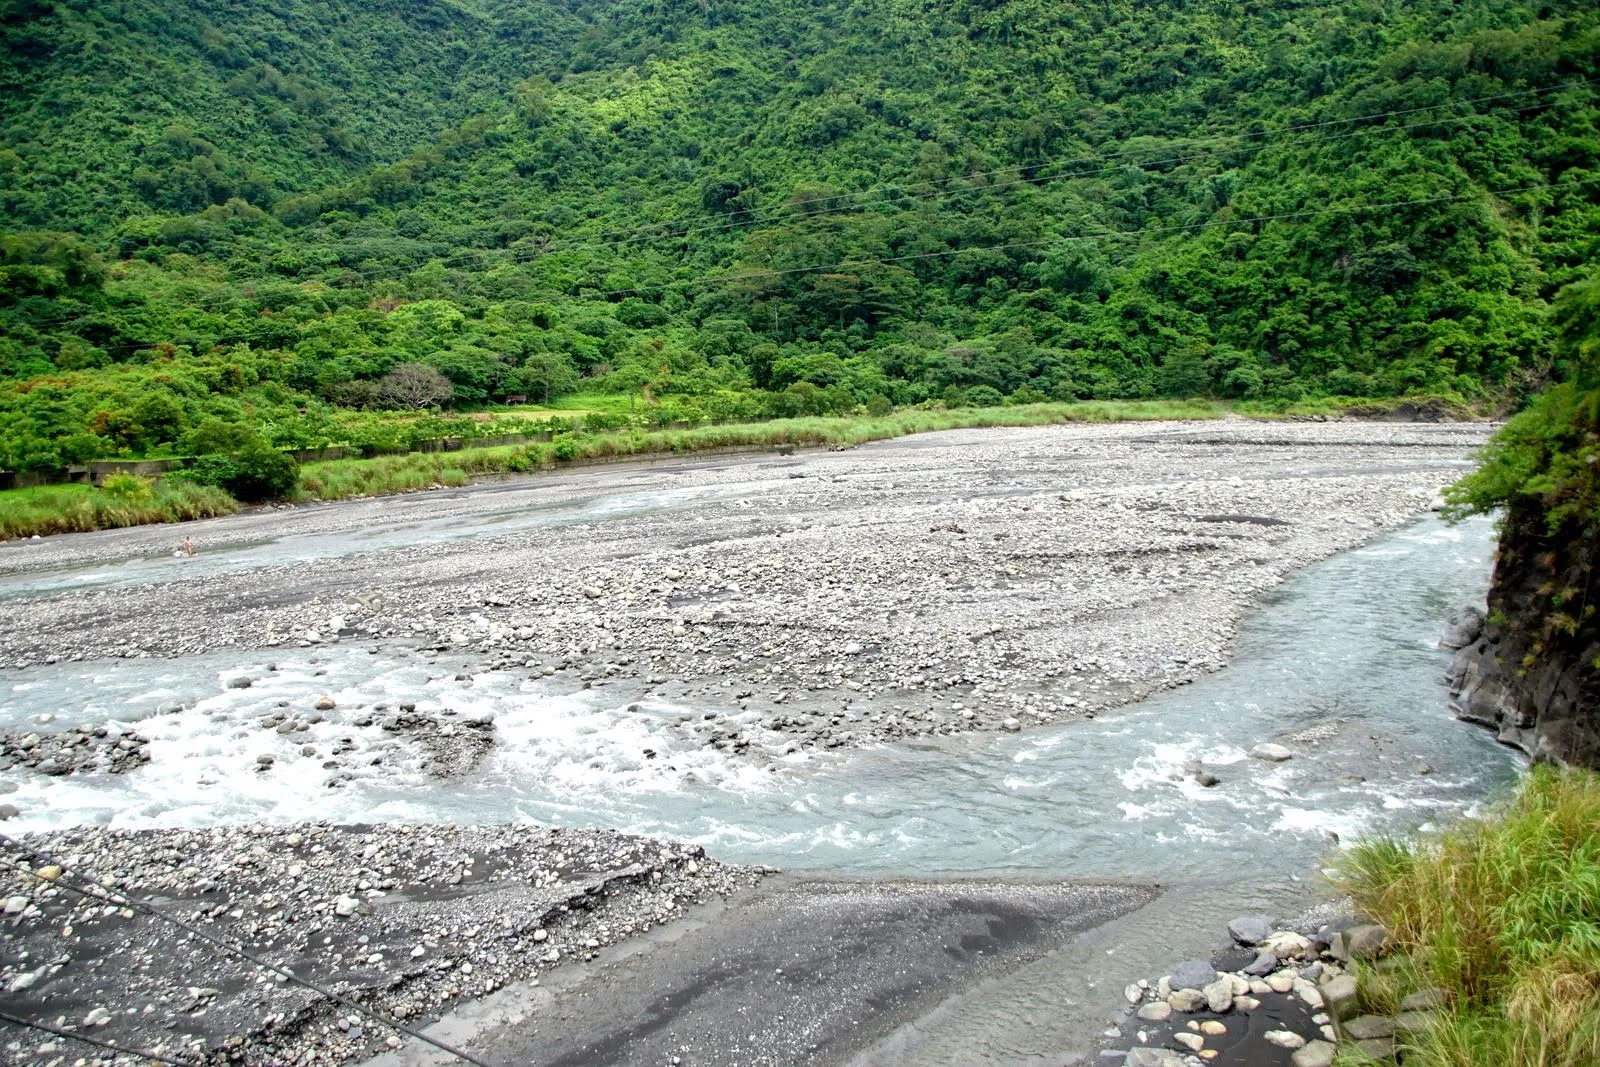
x: 188, y: 547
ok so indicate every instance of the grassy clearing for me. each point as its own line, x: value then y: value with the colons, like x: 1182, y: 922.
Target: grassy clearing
x: 341, y: 479
x: 54, y: 509
x: 1504, y: 915
x: 572, y: 404
x: 345, y: 478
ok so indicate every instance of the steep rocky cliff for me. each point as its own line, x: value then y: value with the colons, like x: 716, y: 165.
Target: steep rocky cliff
x: 1529, y: 670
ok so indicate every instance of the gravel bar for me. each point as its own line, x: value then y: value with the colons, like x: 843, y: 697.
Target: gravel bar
x: 967, y: 580
x: 406, y: 920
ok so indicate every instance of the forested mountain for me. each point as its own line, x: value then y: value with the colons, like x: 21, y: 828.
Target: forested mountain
x: 131, y: 106
x: 830, y: 201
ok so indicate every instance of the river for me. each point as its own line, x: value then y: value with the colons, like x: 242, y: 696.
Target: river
x: 1340, y: 663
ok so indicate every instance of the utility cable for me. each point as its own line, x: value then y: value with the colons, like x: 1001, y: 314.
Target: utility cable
x: 1063, y: 239
x: 1025, y: 175
x: 154, y: 1057
x: 902, y: 197
x: 123, y: 900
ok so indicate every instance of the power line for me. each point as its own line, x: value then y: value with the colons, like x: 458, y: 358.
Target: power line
x: 146, y: 1054
x: 1026, y: 177
x: 1033, y: 180
x: 581, y: 240
x: 466, y: 258
x: 124, y: 900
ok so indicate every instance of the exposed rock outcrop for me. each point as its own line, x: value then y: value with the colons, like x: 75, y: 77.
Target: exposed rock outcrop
x: 1530, y: 674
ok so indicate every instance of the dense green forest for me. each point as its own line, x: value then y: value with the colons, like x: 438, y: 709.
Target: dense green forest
x: 235, y: 221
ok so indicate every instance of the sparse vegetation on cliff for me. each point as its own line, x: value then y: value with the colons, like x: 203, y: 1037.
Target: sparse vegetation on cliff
x: 1548, y: 457
x: 1534, y: 676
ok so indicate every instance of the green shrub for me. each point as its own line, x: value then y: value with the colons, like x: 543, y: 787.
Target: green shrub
x: 207, y: 470
x: 256, y: 472
x: 565, y: 446
x: 1503, y: 914
x: 127, y: 488
x: 262, y: 473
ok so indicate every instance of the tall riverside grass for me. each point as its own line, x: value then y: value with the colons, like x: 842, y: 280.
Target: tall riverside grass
x: 54, y: 509
x: 339, y: 479
x: 74, y: 508
x: 1503, y: 914
x: 1451, y: 404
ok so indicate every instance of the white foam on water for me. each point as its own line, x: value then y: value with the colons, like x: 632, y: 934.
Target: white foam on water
x: 577, y: 751
x: 1165, y: 763
x: 1347, y: 824
x: 1134, y: 811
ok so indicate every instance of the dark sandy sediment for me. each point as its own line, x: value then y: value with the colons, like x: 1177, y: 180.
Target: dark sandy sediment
x: 538, y: 945
x: 407, y: 919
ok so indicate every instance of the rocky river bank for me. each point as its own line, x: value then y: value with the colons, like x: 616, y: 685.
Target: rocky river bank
x: 1277, y: 995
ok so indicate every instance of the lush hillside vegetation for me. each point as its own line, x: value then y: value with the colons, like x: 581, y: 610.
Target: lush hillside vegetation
x: 736, y: 208
x: 119, y: 109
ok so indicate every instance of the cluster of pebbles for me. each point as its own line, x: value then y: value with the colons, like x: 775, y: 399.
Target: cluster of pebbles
x: 103, y: 749
x: 405, y: 920
x: 1278, y: 996
x: 964, y: 581
x: 452, y: 745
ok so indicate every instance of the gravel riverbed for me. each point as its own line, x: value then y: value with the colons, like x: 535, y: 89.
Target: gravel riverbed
x: 971, y: 580
x: 986, y: 579
x: 405, y: 920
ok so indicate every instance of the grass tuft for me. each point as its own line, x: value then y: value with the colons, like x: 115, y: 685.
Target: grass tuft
x: 53, y: 509
x: 1502, y: 913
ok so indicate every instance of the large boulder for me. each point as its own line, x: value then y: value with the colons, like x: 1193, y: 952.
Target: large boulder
x: 1462, y: 628
x: 1251, y: 929
x: 1366, y: 942
x: 1219, y: 995
x: 1193, y: 974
